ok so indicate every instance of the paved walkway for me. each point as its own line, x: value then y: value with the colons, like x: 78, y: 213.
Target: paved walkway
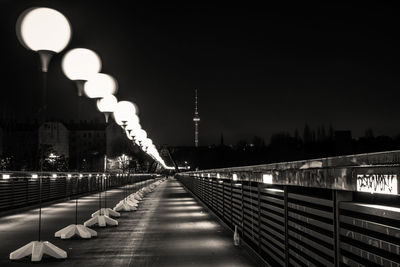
x: 169, y: 229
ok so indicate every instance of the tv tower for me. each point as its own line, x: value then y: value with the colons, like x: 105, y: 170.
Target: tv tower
x: 196, y: 120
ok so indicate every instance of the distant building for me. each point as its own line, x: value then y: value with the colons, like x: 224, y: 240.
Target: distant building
x: 82, y: 145
x: 117, y: 143
x: 19, y: 144
x: 68, y: 146
x: 87, y: 145
x: 56, y: 136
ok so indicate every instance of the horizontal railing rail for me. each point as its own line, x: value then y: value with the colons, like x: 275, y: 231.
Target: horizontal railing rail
x: 372, y: 172
x: 21, y: 189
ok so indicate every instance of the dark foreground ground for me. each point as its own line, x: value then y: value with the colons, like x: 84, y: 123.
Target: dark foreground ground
x: 170, y: 228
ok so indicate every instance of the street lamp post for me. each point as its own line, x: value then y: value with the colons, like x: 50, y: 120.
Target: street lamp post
x: 126, y: 204
x: 102, y: 86
x: 47, y: 32
x: 125, y: 115
x: 78, y: 65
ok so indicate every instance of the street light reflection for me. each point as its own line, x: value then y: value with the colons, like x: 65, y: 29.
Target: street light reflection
x: 183, y: 203
x: 186, y: 214
x: 203, y: 243
x: 179, y: 199
x: 191, y: 226
x: 190, y: 207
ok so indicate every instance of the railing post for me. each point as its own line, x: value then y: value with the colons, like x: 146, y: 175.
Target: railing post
x: 231, y: 205
x: 223, y: 199
x: 89, y: 183
x: 210, y: 182
x: 259, y: 217
x: 242, y: 208
x: 26, y: 191
x: 12, y: 191
x: 66, y: 186
x: 336, y: 232
x: 285, y: 188
x: 338, y: 196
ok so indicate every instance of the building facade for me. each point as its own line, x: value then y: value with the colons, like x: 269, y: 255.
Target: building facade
x: 55, y: 136
x: 87, y: 146
x: 60, y: 146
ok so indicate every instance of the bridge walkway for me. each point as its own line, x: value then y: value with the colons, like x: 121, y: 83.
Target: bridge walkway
x: 170, y: 228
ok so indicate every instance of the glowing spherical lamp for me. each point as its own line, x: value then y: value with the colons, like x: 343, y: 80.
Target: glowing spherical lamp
x: 146, y: 143
x: 131, y: 123
x: 132, y: 127
x: 107, y: 105
x: 100, y: 85
x: 124, y: 111
x: 141, y: 135
x: 45, y: 31
x: 79, y: 65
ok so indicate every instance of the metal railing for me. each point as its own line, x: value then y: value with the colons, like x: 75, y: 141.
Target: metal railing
x: 303, y: 223
x: 21, y: 189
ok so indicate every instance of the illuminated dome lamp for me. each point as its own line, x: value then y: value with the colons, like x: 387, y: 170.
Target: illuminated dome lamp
x: 146, y: 143
x: 45, y: 31
x: 107, y: 105
x: 100, y: 85
x: 124, y: 110
x: 79, y: 65
x: 134, y: 119
x: 132, y: 129
x: 141, y: 135
x: 133, y: 125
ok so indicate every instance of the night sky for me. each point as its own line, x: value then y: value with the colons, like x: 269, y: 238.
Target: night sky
x: 259, y: 69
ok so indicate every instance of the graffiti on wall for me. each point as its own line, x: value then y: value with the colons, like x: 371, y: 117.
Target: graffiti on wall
x: 377, y: 183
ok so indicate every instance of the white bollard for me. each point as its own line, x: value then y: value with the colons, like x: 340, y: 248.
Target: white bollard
x: 37, y: 249
x: 75, y: 230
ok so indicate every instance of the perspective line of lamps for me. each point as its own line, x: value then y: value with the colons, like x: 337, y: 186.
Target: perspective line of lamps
x: 47, y: 32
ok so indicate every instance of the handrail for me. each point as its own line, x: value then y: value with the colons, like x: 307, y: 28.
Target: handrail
x: 19, y: 189
x: 360, y: 172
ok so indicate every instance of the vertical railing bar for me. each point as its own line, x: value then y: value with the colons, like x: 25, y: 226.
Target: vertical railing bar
x: 286, y: 226
x: 259, y: 217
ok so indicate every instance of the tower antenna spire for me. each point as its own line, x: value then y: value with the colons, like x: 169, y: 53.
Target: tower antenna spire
x: 195, y: 107
x: 196, y: 120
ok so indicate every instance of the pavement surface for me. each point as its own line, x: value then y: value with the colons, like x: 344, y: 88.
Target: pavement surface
x: 170, y: 228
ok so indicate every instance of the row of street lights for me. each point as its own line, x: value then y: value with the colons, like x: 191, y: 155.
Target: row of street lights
x: 47, y: 32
